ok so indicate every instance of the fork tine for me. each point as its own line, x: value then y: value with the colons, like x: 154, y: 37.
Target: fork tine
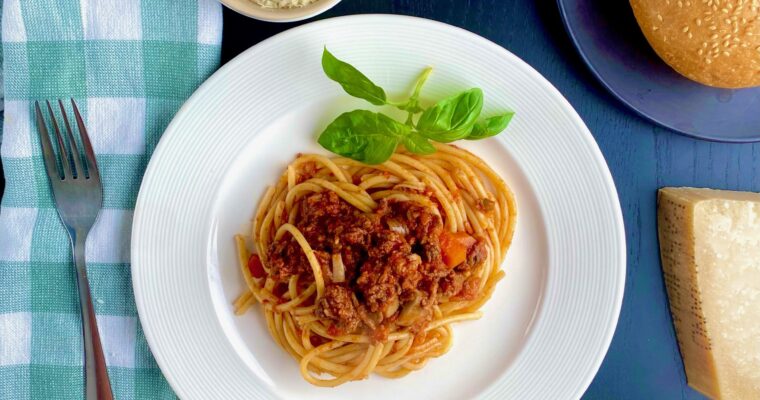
x: 73, y: 143
x: 63, y: 151
x: 92, y: 163
x: 48, y: 155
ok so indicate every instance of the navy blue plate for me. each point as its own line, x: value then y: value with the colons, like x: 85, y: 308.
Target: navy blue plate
x: 611, y: 43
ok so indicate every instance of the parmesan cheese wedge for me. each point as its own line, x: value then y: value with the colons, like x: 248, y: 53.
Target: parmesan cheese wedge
x: 710, y: 249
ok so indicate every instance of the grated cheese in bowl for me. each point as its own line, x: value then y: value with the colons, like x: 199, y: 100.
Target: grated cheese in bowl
x: 280, y: 10
x: 283, y: 3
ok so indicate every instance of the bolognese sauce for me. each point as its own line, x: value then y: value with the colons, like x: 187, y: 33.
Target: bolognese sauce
x: 390, y: 266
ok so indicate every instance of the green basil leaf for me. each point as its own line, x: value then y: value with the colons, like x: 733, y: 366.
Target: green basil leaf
x: 452, y: 118
x: 353, y: 81
x: 490, y: 126
x: 363, y: 136
x: 418, y: 144
x: 412, y: 105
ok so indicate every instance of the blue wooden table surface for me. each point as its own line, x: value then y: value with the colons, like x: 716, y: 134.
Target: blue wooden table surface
x: 643, y: 361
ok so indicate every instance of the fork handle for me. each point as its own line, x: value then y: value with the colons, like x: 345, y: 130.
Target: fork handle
x: 97, y: 385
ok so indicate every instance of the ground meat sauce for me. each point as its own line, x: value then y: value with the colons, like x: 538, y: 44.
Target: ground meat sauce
x: 394, y: 269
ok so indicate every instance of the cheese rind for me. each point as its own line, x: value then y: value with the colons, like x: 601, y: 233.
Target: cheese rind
x: 710, y: 250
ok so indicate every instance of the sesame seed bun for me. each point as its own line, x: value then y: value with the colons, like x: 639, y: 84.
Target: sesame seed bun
x: 714, y: 42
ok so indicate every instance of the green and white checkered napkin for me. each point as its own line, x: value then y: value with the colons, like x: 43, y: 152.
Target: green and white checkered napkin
x: 130, y: 64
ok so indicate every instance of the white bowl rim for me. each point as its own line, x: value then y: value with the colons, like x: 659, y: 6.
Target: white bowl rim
x: 252, y: 10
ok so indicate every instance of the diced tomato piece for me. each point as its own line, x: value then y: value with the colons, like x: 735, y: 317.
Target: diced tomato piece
x: 454, y: 247
x: 255, y: 266
x: 317, y: 340
x: 279, y: 290
x: 333, y: 330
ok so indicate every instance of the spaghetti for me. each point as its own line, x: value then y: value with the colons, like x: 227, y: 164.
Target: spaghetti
x: 364, y: 268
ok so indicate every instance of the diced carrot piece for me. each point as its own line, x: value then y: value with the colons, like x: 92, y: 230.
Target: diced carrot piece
x: 454, y: 247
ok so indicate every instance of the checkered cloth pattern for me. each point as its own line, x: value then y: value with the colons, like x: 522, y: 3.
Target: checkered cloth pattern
x: 129, y: 64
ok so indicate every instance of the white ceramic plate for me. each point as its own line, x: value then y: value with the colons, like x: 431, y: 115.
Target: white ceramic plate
x: 550, y: 321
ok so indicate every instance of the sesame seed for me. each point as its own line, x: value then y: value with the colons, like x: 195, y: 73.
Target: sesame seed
x: 713, y: 27
x: 725, y: 53
x: 714, y: 36
x: 728, y: 36
x: 680, y: 4
x: 707, y: 60
x: 689, y: 35
x: 659, y: 17
x: 699, y: 22
x: 726, y: 43
x: 685, y: 29
x: 700, y: 52
x: 758, y: 48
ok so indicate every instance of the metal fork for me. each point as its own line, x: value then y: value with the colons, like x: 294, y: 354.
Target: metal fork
x: 78, y: 198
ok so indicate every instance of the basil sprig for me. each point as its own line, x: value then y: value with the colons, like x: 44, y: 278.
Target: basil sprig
x: 364, y: 136
x: 372, y: 137
x: 453, y: 118
x: 490, y: 126
x: 353, y: 81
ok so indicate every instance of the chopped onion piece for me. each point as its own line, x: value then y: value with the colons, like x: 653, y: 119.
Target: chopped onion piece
x: 411, y: 312
x: 338, y: 269
x: 397, y: 227
x: 392, y: 308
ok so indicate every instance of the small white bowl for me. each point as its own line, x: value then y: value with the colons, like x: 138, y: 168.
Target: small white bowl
x: 251, y: 9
